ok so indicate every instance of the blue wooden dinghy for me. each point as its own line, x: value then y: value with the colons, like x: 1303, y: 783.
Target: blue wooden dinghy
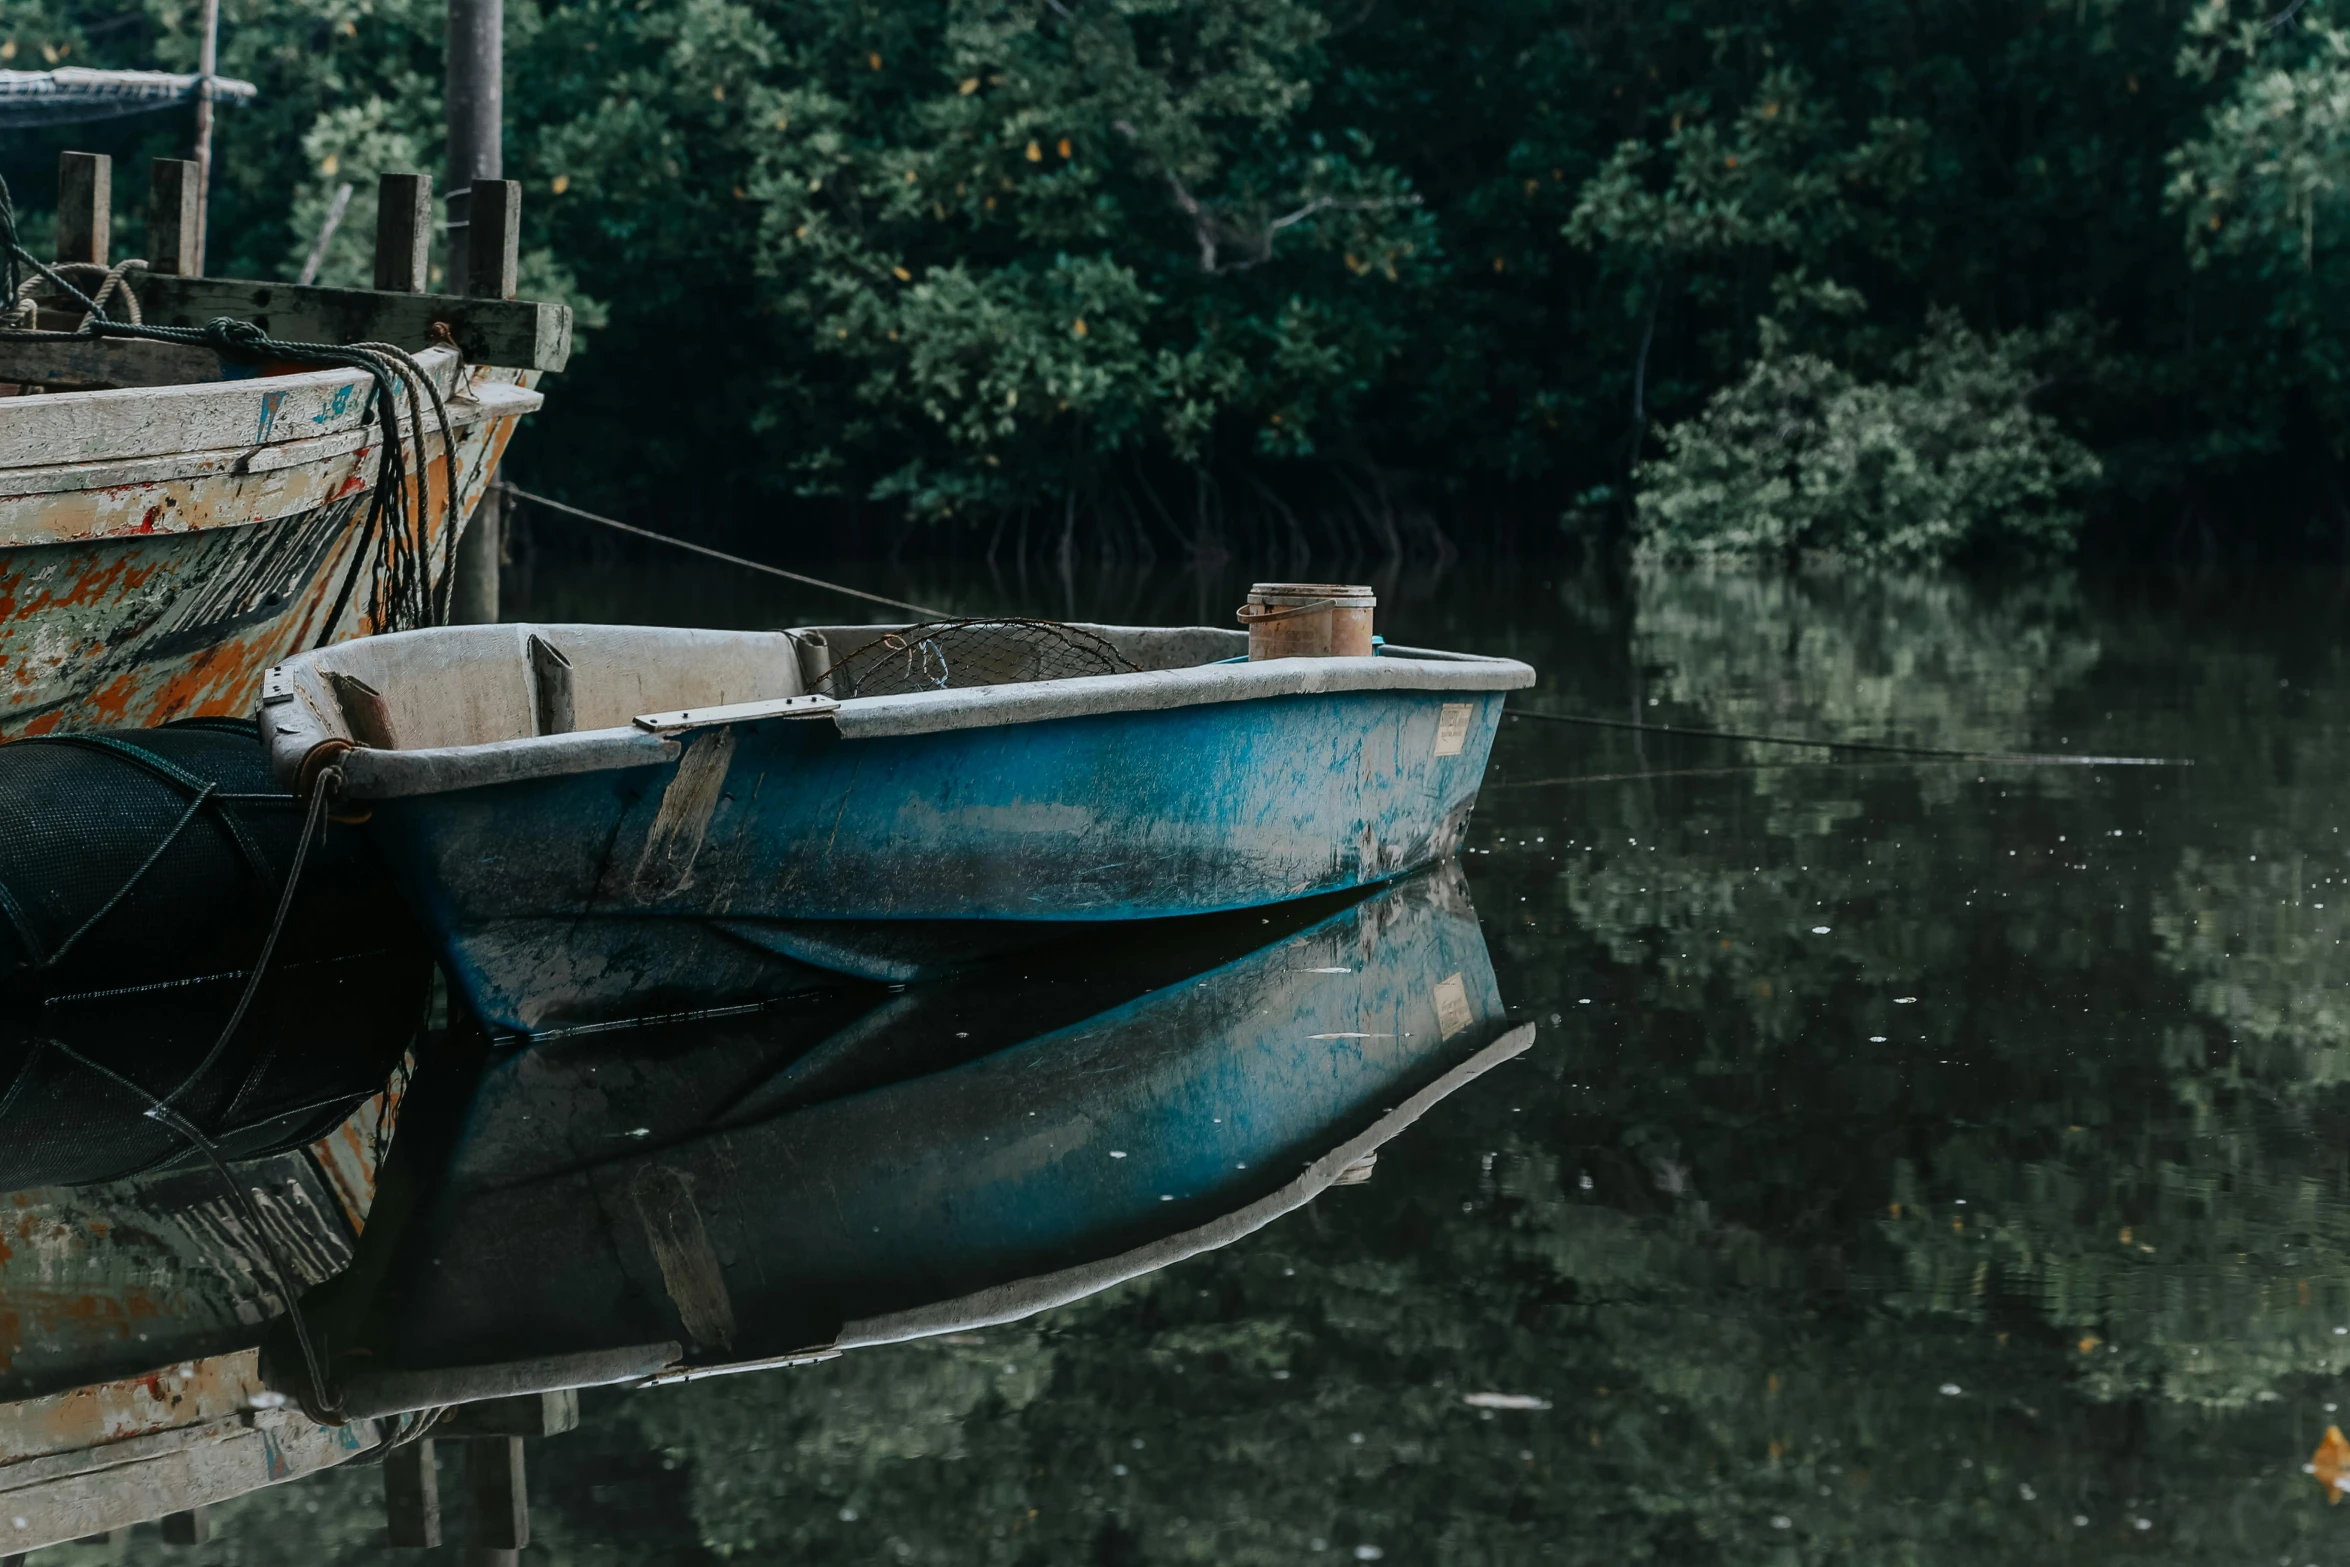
x: 611, y: 821
x: 757, y: 1190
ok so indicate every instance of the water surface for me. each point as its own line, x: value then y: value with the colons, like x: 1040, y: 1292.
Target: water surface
x: 1919, y: 1160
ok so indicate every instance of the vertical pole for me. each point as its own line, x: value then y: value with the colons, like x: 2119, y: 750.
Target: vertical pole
x: 173, y: 221
x: 85, y: 206
x: 207, y: 66
x: 403, y: 233
x: 493, y: 234
x: 476, y: 105
x: 412, y: 1497
x: 501, y: 1504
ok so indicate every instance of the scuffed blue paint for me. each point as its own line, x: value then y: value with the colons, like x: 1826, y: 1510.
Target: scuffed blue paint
x: 642, y: 890
x: 337, y: 404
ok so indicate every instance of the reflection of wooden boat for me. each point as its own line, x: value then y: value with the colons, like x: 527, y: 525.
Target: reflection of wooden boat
x: 608, y: 821
x: 783, y: 1195
x: 131, y: 1319
x: 173, y: 521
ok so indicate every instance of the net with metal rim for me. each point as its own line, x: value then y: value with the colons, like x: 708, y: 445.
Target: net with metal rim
x: 958, y: 654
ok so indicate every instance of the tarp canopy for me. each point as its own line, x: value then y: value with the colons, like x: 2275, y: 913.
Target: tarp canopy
x: 73, y: 95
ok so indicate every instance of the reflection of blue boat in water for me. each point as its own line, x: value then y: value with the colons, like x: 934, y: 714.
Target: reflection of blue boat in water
x: 605, y: 821
x: 845, y: 1168
x: 713, y: 1194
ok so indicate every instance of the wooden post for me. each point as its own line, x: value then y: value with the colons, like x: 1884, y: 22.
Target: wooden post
x: 85, y: 206
x: 475, y: 95
x: 403, y: 233
x: 193, y: 1527
x: 494, y: 239
x: 207, y: 66
x: 412, y: 1497
x: 501, y: 1506
x: 174, y: 217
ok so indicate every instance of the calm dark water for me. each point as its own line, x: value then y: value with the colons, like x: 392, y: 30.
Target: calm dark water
x: 1918, y: 1161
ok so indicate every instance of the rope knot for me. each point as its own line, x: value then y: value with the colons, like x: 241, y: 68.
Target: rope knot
x: 237, y: 339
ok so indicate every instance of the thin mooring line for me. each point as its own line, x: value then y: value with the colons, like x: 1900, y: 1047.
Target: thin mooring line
x: 2029, y: 758
x: 520, y: 493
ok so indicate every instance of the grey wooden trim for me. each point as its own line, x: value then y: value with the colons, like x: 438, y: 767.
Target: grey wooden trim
x: 520, y: 333
x: 390, y: 775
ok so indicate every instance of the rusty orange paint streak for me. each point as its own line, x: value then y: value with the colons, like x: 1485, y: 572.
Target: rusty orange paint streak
x: 216, y: 681
x: 59, y: 1319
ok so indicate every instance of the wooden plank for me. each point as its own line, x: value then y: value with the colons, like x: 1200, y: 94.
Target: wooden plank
x: 69, y: 427
x: 403, y: 232
x: 173, y: 216
x: 85, y: 206
x: 493, y: 239
x: 213, y: 1465
x: 257, y: 412
x: 412, y: 1497
x: 106, y: 362
x: 517, y: 333
x: 501, y: 1506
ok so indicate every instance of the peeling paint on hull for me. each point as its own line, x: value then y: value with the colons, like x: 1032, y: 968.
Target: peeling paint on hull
x: 879, y: 857
x: 136, y: 598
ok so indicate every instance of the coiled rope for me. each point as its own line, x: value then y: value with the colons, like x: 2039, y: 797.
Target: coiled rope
x: 405, y: 591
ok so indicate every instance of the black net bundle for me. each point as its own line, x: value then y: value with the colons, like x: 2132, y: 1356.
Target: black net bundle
x: 945, y: 654
x: 139, y: 873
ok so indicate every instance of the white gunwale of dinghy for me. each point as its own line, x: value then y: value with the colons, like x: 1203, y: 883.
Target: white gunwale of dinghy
x: 446, y: 686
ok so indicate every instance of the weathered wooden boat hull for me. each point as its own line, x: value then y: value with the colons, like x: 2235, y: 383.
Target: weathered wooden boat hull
x: 628, y: 872
x: 143, y: 580
x: 869, y: 1191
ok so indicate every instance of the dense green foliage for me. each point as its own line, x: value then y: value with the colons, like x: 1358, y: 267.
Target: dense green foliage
x: 1798, y: 456
x: 1172, y: 269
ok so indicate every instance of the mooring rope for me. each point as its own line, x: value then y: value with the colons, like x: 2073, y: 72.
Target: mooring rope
x: 405, y: 593
x: 519, y: 493
x: 326, y: 1405
x: 2027, y: 758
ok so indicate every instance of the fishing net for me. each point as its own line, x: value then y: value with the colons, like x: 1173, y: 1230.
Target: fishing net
x: 959, y: 654
x: 139, y: 873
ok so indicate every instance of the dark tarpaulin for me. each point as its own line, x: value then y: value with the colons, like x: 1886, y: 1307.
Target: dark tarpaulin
x: 73, y: 95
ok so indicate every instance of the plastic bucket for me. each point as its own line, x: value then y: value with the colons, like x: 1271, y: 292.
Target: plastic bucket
x: 1308, y: 620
